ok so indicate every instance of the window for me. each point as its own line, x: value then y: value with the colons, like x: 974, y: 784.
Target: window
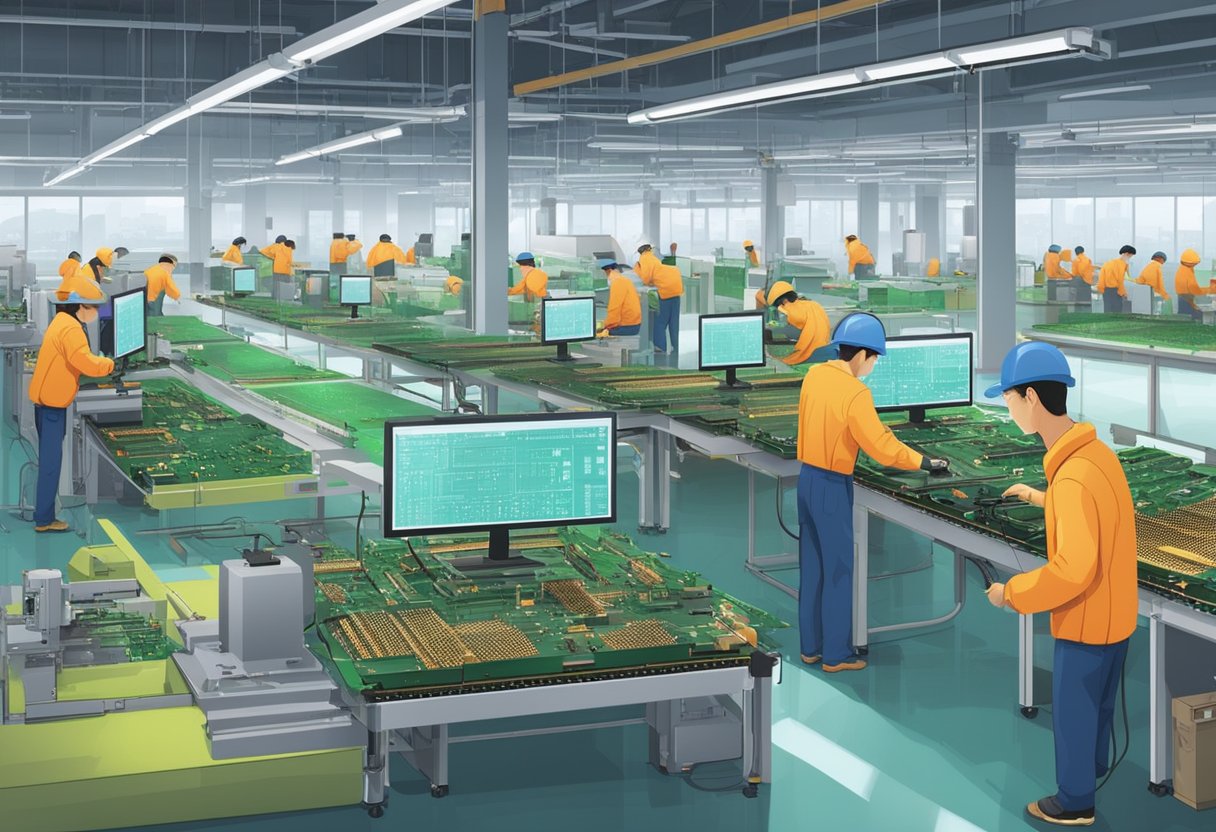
x: 1072, y: 223
x: 1113, y: 227
x: 55, y: 230
x: 147, y: 225
x: 227, y: 219
x: 955, y: 227
x: 12, y: 221
x: 1190, y: 226
x: 450, y: 222
x: 586, y: 220
x: 1154, y: 226
x: 1033, y: 227
x: 315, y: 247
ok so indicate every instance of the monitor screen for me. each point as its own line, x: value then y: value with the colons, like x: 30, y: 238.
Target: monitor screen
x: 567, y: 319
x: 732, y: 340
x: 130, y: 322
x: 245, y: 280
x: 476, y: 473
x: 923, y: 371
x: 354, y: 289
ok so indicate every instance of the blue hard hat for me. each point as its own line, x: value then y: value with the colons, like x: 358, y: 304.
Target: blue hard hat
x: 861, y: 329
x: 607, y: 263
x: 1160, y: 254
x: 1053, y: 248
x: 524, y: 255
x: 1032, y: 361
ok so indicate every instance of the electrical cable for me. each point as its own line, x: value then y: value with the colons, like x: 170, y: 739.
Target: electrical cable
x: 358, y: 527
x: 1116, y: 759
x: 410, y: 544
x: 780, y: 517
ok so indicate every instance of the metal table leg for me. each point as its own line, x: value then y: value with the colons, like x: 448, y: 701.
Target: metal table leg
x: 1161, y: 729
x: 375, y: 773
x: 1026, y: 667
x: 761, y: 565
x: 861, y: 579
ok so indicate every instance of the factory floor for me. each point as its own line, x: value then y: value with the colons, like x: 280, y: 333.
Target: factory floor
x: 927, y: 738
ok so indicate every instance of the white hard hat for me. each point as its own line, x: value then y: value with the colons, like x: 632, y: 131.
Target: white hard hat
x: 643, y: 243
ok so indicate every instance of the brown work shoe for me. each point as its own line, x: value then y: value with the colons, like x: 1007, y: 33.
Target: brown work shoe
x: 53, y: 526
x: 1049, y: 810
x: 853, y: 663
x: 809, y: 659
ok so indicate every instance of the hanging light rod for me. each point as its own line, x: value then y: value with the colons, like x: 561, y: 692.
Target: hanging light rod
x: 344, y: 143
x: 356, y: 29
x: 1045, y: 46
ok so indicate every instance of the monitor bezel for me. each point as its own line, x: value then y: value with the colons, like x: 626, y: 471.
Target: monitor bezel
x: 701, y: 365
x: 117, y: 296
x: 237, y: 291
x: 959, y: 336
x: 438, y: 421
x: 371, y: 285
x: 544, y: 305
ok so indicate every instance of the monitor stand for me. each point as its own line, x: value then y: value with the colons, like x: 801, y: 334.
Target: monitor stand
x: 498, y: 556
x: 916, y: 415
x: 354, y: 311
x: 116, y: 378
x: 563, y: 354
x: 732, y: 382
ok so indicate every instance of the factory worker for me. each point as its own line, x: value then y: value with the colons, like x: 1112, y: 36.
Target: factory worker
x: 1111, y: 280
x: 534, y: 283
x: 96, y: 270
x: 672, y: 249
x: 753, y: 256
x: 411, y: 259
x: 669, y: 284
x: 806, y: 316
x: 1051, y: 263
x: 836, y: 417
x: 1153, y: 276
x: 384, y: 256
x: 1082, y: 266
x: 233, y: 256
x: 70, y: 266
x: 453, y: 285
x: 934, y: 269
x: 340, y: 250
x: 160, y: 283
x: 861, y: 260
x: 283, y: 255
x: 271, y: 252
x: 1089, y: 582
x: 62, y: 359
x: 1186, y: 286
x: 624, y: 305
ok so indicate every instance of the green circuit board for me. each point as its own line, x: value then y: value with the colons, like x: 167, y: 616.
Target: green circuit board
x: 243, y: 363
x: 1177, y: 332
x: 13, y: 314
x: 140, y: 637
x: 186, y: 437
x: 439, y: 619
x: 471, y: 352
x: 187, y: 329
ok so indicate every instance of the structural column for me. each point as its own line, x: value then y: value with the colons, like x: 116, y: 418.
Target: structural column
x: 772, y: 215
x: 867, y: 214
x: 490, y: 137
x: 996, y: 282
x: 415, y: 215
x: 338, y: 211
x: 253, y: 220
x: 652, y: 227
x: 198, y: 212
x: 929, y: 218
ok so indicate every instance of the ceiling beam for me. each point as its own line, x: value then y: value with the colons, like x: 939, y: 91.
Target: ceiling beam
x: 165, y: 25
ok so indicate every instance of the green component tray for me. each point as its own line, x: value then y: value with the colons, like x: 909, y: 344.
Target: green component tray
x: 140, y: 637
x: 244, y: 363
x: 355, y: 407
x: 1177, y: 332
x: 187, y: 329
x: 405, y: 623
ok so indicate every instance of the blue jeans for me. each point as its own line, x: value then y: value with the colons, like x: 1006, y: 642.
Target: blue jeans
x: 1186, y: 306
x: 51, y: 424
x: 156, y: 308
x: 1085, y: 682
x: 627, y: 330
x: 825, y: 561
x: 1112, y: 303
x: 668, y: 321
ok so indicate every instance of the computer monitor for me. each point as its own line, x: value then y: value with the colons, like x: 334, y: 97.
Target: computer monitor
x: 563, y: 320
x: 923, y: 371
x: 130, y: 323
x: 355, y: 290
x: 446, y: 474
x: 732, y: 340
x: 244, y: 280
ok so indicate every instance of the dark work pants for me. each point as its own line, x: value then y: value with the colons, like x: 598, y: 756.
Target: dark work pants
x: 668, y: 322
x: 51, y: 423
x: 1085, y: 682
x: 825, y: 562
x: 1112, y: 303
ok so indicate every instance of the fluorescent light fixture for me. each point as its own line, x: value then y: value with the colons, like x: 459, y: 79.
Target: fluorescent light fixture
x: 655, y: 147
x: 15, y: 116
x: 1046, y: 45
x: 167, y: 120
x: 355, y: 140
x: 522, y: 117
x: 361, y: 27
x: 386, y: 133
x: 66, y: 175
x: 1069, y: 96
x: 117, y: 146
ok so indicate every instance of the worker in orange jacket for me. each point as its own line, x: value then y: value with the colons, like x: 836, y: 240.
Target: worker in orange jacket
x: 836, y: 418
x: 624, y: 315
x: 384, y: 256
x: 340, y: 250
x: 1089, y: 582
x: 861, y: 259
x: 1153, y: 277
x: 807, y: 316
x: 62, y: 359
x: 1112, y: 279
x: 753, y: 256
x: 233, y: 256
x: 1082, y: 268
x: 70, y: 266
x: 453, y: 285
x: 669, y: 284
x: 1186, y: 285
x: 533, y: 283
x: 160, y: 283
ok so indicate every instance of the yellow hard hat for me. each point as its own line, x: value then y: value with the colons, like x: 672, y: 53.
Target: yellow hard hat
x: 1190, y: 257
x: 106, y: 256
x: 748, y: 244
x: 80, y: 290
x: 779, y: 289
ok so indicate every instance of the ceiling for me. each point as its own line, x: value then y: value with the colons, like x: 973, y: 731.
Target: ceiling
x: 76, y: 74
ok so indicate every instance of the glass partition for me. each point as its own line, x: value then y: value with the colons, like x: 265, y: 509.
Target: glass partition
x: 54, y: 228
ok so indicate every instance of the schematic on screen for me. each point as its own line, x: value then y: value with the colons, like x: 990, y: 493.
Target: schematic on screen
x: 732, y: 340
x: 130, y: 322
x: 245, y: 280
x: 923, y: 371
x: 354, y: 290
x: 453, y: 474
x: 568, y: 319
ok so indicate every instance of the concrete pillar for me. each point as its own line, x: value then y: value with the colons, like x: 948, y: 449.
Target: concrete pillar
x: 867, y: 214
x: 415, y: 215
x: 652, y: 226
x: 254, y: 217
x: 198, y: 211
x: 929, y: 204
x: 772, y: 216
x: 491, y: 208
x: 996, y: 282
x: 338, y: 209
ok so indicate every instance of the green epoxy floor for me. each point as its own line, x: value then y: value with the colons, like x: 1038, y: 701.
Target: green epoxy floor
x: 928, y: 738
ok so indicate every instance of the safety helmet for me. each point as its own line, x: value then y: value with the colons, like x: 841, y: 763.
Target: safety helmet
x: 861, y: 329
x: 1055, y: 249
x: 1160, y: 254
x: 748, y: 245
x: 239, y: 241
x: 779, y: 290
x: 606, y: 263
x: 1029, y: 362
x: 106, y: 256
x: 385, y: 238
x: 282, y: 238
x: 850, y: 238
x: 83, y: 292
x: 1190, y: 257
x: 524, y: 255
x: 643, y: 244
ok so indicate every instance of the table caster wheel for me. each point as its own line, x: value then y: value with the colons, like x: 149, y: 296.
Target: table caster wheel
x: 751, y: 790
x: 862, y: 651
x: 1159, y: 789
x: 1030, y: 712
x: 376, y: 811
x: 439, y: 791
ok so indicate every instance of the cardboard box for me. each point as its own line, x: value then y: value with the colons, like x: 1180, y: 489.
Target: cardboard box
x: 1195, y: 750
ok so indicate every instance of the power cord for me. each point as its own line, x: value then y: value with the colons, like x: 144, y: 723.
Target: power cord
x: 1116, y: 759
x: 780, y: 515
x: 358, y: 527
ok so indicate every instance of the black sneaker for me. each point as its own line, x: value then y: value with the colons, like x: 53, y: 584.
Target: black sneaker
x: 1049, y: 809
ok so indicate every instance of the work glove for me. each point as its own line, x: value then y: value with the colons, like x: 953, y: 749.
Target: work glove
x: 934, y: 465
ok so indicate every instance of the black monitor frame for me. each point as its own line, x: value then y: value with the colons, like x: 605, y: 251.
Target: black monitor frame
x: 732, y: 382
x: 144, y: 309
x: 241, y: 292
x: 498, y: 552
x: 354, y: 307
x: 563, y: 344
x: 916, y: 412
